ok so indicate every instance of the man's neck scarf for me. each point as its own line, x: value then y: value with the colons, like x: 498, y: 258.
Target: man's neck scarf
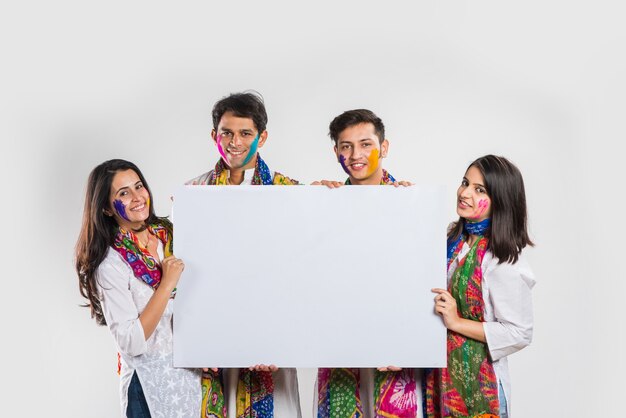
x: 261, y: 176
x: 145, y: 267
x: 468, y: 387
x: 386, y: 180
x: 338, y: 389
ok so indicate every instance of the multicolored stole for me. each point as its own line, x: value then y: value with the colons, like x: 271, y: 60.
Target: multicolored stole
x: 338, y: 393
x: 386, y: 180
x: 219, y: 175
x: 255, y: 390
x: 144, y: 265
x: 468, y: 387
x: 213, y: 402
x: 338, y: 389
x: 255, y: 395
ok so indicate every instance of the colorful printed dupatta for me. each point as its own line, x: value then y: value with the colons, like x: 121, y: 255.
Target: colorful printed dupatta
x: 262, y: 176
x: 255, y: 395
x: 338, y: 389
x: 468, y: 387
x: 144, y: 266
x: 255, y: 390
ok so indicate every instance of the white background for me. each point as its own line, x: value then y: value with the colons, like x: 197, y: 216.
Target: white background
x: 541, y: 82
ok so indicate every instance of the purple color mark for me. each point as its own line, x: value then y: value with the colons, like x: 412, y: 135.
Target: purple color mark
x: 342, y: 161
x: 120, y: 209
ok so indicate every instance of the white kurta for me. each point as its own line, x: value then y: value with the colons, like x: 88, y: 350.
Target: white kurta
x: 508, y: 325
x: 169, y: 391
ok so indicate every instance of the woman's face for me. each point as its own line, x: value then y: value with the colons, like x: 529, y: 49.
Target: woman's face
x: 129, y: 200
x: 473, y: 203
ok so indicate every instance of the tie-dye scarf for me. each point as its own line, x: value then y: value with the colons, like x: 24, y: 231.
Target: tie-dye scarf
x: 261, y: 176
x: 468, y: 386
x: 386, y: 180
x: 338, y: 389
x: 144, y: 265
x: 255, y: 390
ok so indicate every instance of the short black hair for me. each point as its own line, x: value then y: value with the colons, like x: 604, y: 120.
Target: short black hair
x: 355, y: 117
x: 248, y: 104
x: 508, y: 233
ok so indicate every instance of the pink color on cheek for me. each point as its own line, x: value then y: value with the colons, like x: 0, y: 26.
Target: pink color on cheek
x: 221, y: 150
x: 482, y: 207
x: 372, y: 161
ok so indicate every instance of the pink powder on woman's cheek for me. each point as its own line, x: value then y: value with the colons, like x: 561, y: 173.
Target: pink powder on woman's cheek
x: 483, y: 204
x: 372, y: 161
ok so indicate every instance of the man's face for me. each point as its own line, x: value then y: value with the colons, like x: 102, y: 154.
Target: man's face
x: 237, y: 140
x: 359, y: 151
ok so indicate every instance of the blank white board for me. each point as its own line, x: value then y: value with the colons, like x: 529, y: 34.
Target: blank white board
x: 306, y: 276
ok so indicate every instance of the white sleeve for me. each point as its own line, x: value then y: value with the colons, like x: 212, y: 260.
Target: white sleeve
x: 510, y: 288
x: 119, y: 307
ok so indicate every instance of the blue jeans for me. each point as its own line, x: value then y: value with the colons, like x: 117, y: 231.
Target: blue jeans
x: 502, y: 399
x: 137, y: 405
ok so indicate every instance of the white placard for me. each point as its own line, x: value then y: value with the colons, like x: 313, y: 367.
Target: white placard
x: 307, y: 276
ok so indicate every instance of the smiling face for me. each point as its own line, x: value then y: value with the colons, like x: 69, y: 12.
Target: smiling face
x: 473, y: 203
x: 129, y: 200
x: 237, y: 140
x: 359, y: 152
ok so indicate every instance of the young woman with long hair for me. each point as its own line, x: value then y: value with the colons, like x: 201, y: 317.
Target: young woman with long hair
x: 128, y: 275
x: 487, y: 307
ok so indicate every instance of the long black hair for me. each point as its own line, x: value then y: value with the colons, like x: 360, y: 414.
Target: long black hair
x: 508, y: 233
x: 98, y: 230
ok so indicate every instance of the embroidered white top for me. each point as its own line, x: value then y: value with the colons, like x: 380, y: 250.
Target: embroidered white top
x: 169, y: 391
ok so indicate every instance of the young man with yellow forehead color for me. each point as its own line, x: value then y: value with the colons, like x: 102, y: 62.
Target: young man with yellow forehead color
x: 360, y: 146
x: 239, y: 122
